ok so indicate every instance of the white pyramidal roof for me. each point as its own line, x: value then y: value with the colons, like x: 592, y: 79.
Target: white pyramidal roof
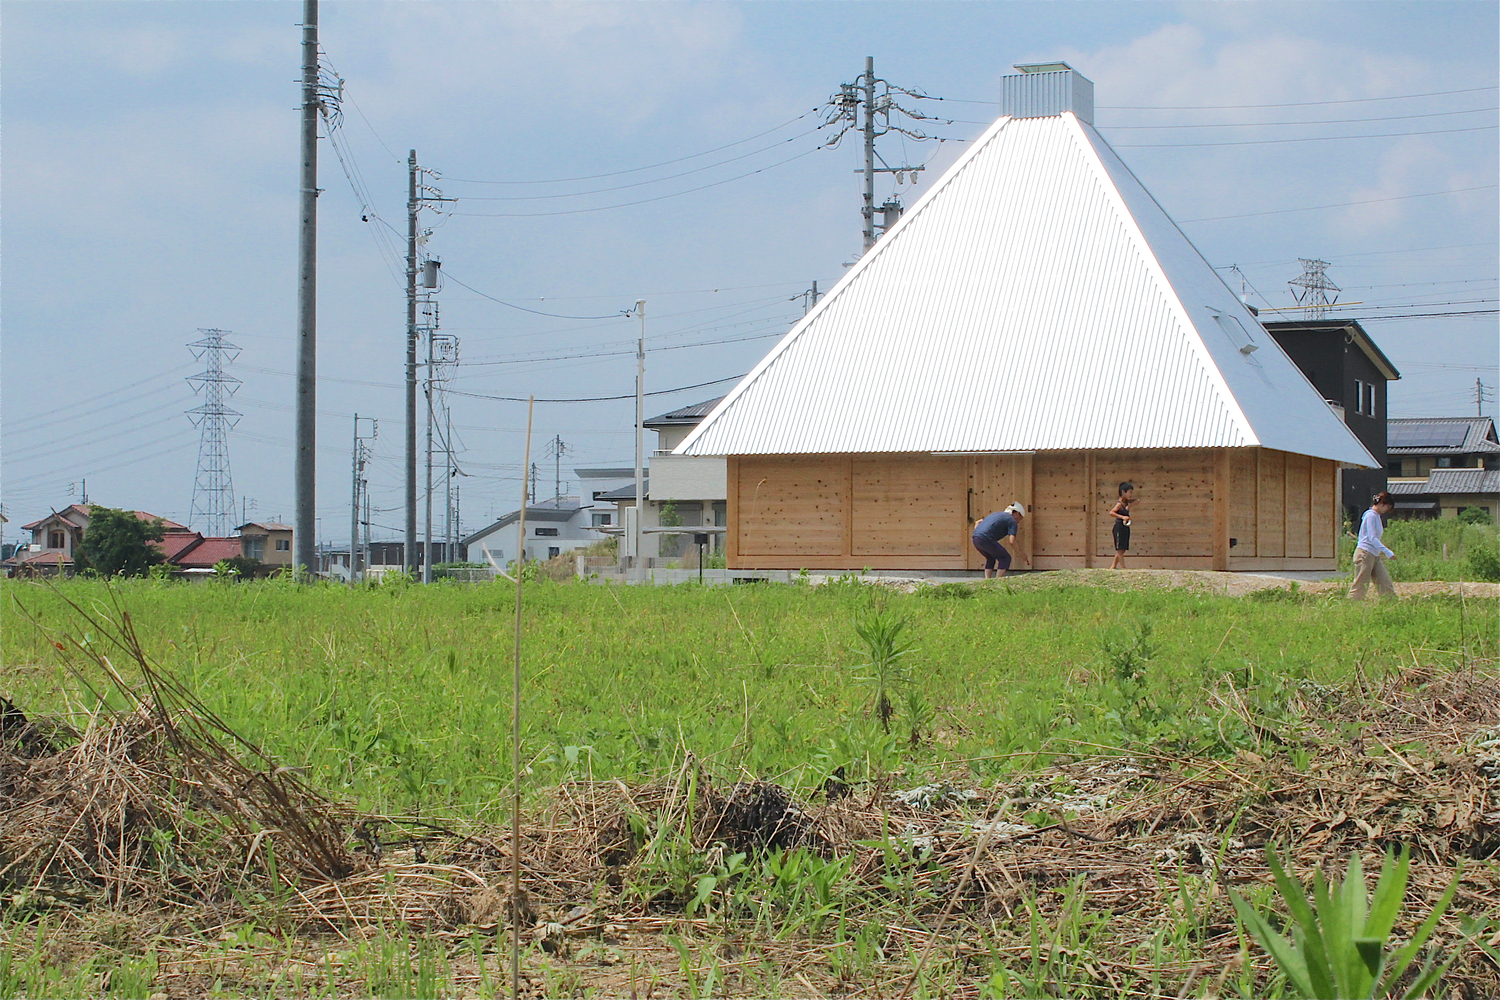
x: 1036, y: 298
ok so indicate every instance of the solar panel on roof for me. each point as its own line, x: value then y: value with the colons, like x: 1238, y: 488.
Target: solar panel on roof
x: 1425, y: 435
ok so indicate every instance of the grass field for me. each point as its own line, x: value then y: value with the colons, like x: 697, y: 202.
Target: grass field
x: 396, y: 701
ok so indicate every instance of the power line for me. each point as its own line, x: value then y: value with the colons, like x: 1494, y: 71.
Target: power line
x: 1295, y: 104
x: 1308, y: 138
x: 1323, y: 121
x: 535, y: 312
x: 643, y: 201
x: 596, y: 399
x: 653, y: 166
x: 1250, y: 107
x: 654, y: 180
x: 1342, y: 204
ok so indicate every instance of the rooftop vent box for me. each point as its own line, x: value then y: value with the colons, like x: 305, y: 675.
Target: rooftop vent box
x: 1044, y: 89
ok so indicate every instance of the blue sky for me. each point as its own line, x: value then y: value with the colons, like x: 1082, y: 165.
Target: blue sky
x: 150, y: 188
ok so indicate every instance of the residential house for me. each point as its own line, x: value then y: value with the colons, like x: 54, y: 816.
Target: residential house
x: 553, y: 527
x: 1036, y: 329
x: 1439, y: 466
x: 685, y: 490
x: 268, y: 542
x: 56, y: 537
x: 1351, y: 373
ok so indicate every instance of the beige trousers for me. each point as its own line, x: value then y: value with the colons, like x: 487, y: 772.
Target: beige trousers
x: 1369, y: 566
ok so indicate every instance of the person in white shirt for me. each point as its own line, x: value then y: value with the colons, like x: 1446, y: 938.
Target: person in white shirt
x: 1370, y: 552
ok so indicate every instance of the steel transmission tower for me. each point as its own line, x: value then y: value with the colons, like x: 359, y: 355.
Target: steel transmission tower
x: 213, y: 489
x: 1312, y: 286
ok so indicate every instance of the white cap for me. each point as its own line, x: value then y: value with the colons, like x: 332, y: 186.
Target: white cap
x: 1016, y: 508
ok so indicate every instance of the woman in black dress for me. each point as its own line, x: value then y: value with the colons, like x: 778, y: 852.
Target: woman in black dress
x: 1121, y: 513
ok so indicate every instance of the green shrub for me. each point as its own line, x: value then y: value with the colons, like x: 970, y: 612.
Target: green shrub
x: 1484, y: 562
x: 1475, y: 515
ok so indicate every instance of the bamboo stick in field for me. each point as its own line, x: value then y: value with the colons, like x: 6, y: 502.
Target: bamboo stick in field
x: 515, y: 733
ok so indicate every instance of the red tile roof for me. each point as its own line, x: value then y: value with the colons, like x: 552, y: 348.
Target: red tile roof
x: 176, y: 544
x: 208, y: 552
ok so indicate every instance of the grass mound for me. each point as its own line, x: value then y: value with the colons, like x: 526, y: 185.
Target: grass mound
x: 157, y: 800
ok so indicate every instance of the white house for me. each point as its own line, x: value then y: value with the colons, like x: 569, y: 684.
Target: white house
x: 552, y: 528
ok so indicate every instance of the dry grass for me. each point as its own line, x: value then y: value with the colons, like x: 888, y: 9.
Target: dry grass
x: 158, y: 812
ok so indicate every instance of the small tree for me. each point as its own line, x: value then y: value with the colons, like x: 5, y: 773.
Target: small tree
x: 117, y: 542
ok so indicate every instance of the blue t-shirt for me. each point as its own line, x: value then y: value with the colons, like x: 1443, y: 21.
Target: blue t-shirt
x: 997, y: 526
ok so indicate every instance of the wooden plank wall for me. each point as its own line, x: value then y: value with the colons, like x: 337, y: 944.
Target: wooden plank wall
x: 995, y: 482
x: 1060, y: 505
x: 1173, y: 516
x: 791, y: 504
x: 1283, y: 509
x: 908, y: 505
x: 914, y: 511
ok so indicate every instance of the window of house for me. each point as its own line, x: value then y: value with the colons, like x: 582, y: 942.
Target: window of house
x: 283, y: 545
x: 57, y: 540
x: 553, y: 552
x: 1370, y: 399
x: 601, y: 519
x: 1393, y: 468
x: 547, y: 532
x: 254, y: 546
x: 1445, y: 462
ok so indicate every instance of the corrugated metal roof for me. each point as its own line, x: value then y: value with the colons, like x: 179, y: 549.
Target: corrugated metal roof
x: 1035, y: 298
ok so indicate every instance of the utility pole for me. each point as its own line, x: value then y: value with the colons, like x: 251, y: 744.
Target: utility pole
x: 556, y: 449
x: 844, y: 107
x: 361, y: 491
x: 413, y: 206
x: 868, y: 209
x: 533, y: 482
x: 448, y: 483
x: 1481, y: 394
x: 305, y: 470
x: 354, y: 509
x: 427, y: 534
x: 640, y: 438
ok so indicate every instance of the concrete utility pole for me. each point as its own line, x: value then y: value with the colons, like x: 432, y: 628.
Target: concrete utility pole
x: 1481, y: 393
x: 305, y: 470
x: 354, y: 510
x: 640, y: 438
x: 413, y: 206
x: 361, y: 456
x: 448, y: 482
x: 869, y: 206
x: 427, y: 534
x: 875, y: 96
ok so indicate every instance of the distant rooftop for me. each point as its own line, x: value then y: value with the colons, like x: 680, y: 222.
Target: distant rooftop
x: 684, y: 415
x: 1441, y: 436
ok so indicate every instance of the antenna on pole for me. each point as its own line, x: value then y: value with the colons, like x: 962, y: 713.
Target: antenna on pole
x: 1314, y: 288
x: 213, y: 489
